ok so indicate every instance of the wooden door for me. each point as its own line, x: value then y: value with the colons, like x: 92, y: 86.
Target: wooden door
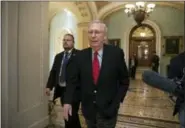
x: 143, y: 50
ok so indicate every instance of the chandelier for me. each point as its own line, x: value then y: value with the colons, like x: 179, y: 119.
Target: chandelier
x: 140, y: 11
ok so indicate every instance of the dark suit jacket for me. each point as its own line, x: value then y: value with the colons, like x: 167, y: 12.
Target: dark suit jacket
x: 176, y: 71
x: 136, y: 62
x: 54, y: 75
x: 104, y: 97
x: 155, y: 60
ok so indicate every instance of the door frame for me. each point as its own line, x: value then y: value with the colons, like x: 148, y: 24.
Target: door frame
x: 141, y: 38
x: 126, y: 34
x: 150, y: 40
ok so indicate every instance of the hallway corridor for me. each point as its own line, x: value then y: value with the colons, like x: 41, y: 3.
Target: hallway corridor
x: 32, y: 34
x: 143, y: 107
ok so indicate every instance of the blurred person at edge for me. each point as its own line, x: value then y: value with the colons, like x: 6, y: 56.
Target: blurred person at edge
x: 176, y: 70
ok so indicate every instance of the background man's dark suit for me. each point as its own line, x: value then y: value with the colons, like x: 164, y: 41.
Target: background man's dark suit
x: 104, y: 97
x: 155, y: 62
x: 176, y: 71
x: 133, y: 68
x: 53, y: 81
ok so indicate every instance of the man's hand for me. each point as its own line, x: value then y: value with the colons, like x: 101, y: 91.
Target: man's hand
x: 48, y: 91
x: 67, y: 111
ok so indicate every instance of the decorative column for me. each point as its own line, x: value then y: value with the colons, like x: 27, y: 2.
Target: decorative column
x: 83, y: 41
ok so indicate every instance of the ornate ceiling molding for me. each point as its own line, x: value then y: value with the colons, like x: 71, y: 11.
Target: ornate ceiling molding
x: 82, y: 7
x: 115, y: 6
x: 107, y: 9
x: 79, y: 9
x: 93, y: 9
x: 83, y: 24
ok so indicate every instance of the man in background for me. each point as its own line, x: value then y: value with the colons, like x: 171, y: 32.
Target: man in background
x: 155, y: 62
x: 57, y: 79
x: 133, y: 62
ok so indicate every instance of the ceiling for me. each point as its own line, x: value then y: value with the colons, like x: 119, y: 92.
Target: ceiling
x: 101, y: 4
x: 98, y: 9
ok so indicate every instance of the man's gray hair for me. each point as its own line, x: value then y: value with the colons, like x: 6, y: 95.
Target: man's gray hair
x: 99, y: 22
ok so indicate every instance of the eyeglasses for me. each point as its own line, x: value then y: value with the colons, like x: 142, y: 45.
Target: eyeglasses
x: 95, y: 32
x: 67, y: 40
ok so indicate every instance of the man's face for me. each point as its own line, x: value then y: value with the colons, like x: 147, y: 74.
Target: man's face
x: 96, y: 34
x: 68, y: 42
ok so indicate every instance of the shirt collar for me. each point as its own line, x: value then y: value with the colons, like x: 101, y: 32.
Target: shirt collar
x: 100, y: 52
x: 69, y: 52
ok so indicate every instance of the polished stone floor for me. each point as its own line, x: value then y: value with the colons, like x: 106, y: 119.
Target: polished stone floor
x: 143, y: 107
x: 145, y: 101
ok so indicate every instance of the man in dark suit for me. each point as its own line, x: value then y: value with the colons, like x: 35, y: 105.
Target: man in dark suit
x: 177, y: 65
x: 57, y: 79
x: 155, y: 62
x: 133, y: 62
x: 101, y: 72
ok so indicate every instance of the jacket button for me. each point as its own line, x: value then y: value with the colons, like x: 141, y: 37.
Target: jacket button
x: 94, y: 102
x: 95, y: 91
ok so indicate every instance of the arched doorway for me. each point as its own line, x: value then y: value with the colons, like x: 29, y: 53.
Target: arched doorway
x: 63, y: 22
x: 142, y: 42
x: 67, y: 17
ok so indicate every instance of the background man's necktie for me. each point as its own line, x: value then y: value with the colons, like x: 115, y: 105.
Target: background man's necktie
x: 96, y: 67
x: 63, y: 68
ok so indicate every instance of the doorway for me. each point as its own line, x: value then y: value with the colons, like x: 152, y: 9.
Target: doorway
x: 142, y: 43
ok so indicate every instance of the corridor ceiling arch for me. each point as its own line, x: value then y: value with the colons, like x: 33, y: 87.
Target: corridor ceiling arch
x: 81, y: 10
x: 111, y: 7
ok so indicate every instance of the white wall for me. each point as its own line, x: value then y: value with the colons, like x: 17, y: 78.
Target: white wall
x: 25, y: 51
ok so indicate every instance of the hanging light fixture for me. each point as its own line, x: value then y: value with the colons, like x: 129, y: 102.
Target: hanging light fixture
x: 140, y: 11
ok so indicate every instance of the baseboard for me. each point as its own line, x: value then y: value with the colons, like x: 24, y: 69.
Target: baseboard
x: 41, y: 123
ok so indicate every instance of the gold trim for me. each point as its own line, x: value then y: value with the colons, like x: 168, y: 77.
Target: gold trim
x: 83, y: 24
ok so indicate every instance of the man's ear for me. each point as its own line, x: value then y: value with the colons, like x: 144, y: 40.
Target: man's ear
x: 105, y: 39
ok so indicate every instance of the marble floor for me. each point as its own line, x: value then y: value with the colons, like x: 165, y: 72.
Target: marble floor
x: 145, y: 101
x: 143, y: 107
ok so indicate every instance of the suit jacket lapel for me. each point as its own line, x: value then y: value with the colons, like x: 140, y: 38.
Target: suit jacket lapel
x: 60, y: 58
x: 89, y: 64
x: 59, y: 64
x: 103, y: 64
x: 73, y: 53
